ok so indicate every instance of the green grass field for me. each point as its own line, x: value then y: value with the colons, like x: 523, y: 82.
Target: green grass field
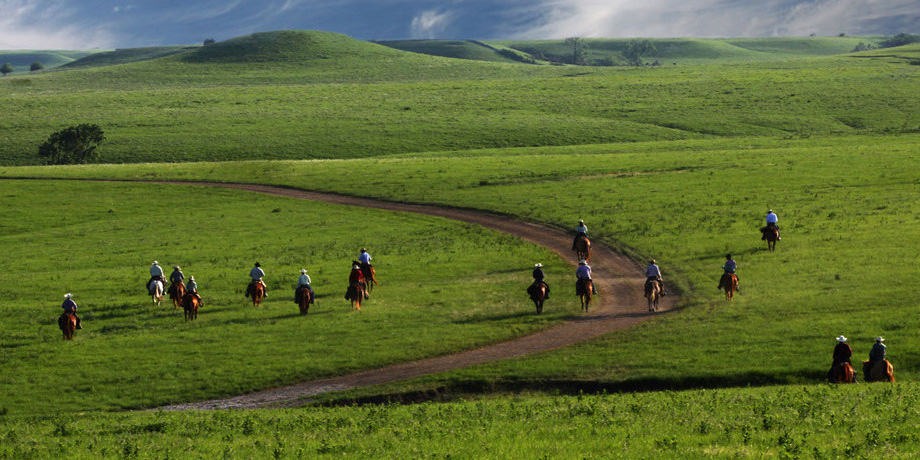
x: 677, y: 163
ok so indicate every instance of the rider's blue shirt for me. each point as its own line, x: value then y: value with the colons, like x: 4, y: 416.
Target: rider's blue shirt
x: 364, y: 258
x: 583, y: 272
x: 69, y: 306
x: 771, y: 218
x: 256, y: 273
x: 730, y: 266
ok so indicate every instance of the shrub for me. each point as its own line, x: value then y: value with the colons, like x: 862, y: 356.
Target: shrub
x: 74, y: 145
x: 899, y: 40
x: 36, y: 66
x: 6, y: 68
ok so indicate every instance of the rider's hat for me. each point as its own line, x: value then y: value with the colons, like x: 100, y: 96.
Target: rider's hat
x: 357, y: 267
x: 191, y: 278
x: 879, y: 339
x: 177, y: 267
x: 156, y: 263
x: 654, y: 261
x: 728, y: 256
x: 582, y: 262
x: 303, y: 270
x: 769, y: 211
x: 68, y: 295
x: 258, y: 264
x: 580, y: 221
x: 841, y: 339
x: 363, y: 249
x: 539, y: 265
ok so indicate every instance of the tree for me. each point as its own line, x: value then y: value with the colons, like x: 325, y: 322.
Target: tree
x: 6, y: 68
x: 74, y: 145
x: 36, y: 66
x: 863, y: 46
x: 899, y: 40
x: 579, y: 50
x: 635, y: 49
x: 209, y: 41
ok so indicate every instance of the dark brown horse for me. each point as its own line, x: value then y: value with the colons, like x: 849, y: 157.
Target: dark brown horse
x: 772, y: 234
x: 370, y: 275
x: 190, y: 304
x: 729, y: 282
x: 881, y: 371
x: 176, y: 294
x: 257, y: 292
x: 584, y: 288
x: 68, y: 324
x: 355, y: 294
x: 305, y: 297
x: 583, y: 248
x: 653, y: 294
x: 538, y: 295
x: 842, y: 373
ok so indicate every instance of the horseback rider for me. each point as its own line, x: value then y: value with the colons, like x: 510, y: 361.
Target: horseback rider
x: 583, y: 273
x: 842, y: 354
x: 538, y: 280
x: 879, y: 351
x: 175, y: 278
x: 653, y: 273
x: 771, y: 223
x: 357, y: 277
x: 156, y: 273
x: 70, y: 307
x: 304, y: 282
x: 257, y: 274
x: 729, y: 268
x: 580, y: 232
x: 191, y: 288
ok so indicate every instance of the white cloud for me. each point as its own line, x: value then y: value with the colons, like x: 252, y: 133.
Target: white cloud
x: 707, y: 18
x: 47, y: 24
x: 430, y: 23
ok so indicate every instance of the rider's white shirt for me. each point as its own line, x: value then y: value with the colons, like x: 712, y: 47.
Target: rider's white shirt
x: 155, y: 270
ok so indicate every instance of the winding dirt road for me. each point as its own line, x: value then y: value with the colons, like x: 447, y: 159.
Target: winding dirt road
x: 619, y: 305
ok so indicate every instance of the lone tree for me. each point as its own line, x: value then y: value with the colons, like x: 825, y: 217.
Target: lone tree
x: 6, y: 68
x: 579, y: 50
x: 74, y: 145
x: 36, y: 66
x: 209, y: 41
x: 635, y: 49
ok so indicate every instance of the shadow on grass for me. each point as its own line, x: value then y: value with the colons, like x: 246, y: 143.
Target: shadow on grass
x: 476, y: 388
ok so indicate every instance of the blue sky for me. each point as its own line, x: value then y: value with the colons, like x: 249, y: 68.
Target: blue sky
x: 73, y: 24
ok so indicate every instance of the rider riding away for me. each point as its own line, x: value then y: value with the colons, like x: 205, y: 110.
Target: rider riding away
x: 538, y: 280
x: 879, y: 351
x: 257, y: 274
x: 653, y: 273
x: 70, y: 307
x: 191, y: 288
x: 583, y: 273
x: 729, y: 267
x: 357, y: 277
x: 580, y: 232
x: 175, y: 278
x: 842, y: 354
x: 364, y: 257
x: 771, y: 223
x: 304, y: 282
x: 156, y: 273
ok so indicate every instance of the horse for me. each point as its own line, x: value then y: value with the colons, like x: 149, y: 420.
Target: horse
x: 355, y: 293
x: 772, y: 234
x: 842, y: 373
x: 68, y: 324
x: 729, y: 282
x: 653, y: 294
x: 370, y: 275
x: 156, y: 289
x: 190, y: 304
x: 304, y: 298
x: 176, y: 294
x: 881, y: 371
x: 583, y: 248
x: 538, y: 295
x: 584, y: 288
x: 257, y: 293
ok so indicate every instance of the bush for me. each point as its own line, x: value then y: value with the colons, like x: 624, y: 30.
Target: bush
x: 6, y: 68
x: 863, y: 46
x: 74, y: 145
x: 209, y: 41
x: 900, y: 40
x: 36, y: 66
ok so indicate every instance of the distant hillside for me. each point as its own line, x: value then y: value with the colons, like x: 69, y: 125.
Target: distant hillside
x: 128, y: 55
x: 288, y: 46
x: 459, y: 49
x: 22, y: 60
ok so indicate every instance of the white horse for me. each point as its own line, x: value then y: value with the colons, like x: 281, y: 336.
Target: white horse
x: 156, y: 290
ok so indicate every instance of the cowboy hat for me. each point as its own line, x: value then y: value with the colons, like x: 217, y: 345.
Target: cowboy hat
x: 156, y: 263
x: 177, y: 267
x: 582, y: 262
x: 841, y: 339
x: 879, y: 339
x: 68, y: 295
x: 303, y: 270
x: 191, y: 278
x: 538, y: 265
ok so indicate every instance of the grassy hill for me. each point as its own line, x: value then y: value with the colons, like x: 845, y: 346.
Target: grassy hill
x: 22, y: 60
x: 460, y: 49
x: 126, y: 56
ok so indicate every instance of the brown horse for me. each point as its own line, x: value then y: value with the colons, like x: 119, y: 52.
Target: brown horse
x: 370, y: 275
x: 68, y: 324
x: 176, y: 294
x: 538, y: 295
x: 305, y: 297
x: 653, y: 294
x: 583, y: 248
x: 842, y: 373
x: 772, y: 234
x: 881, y: 371
x: 729, y: 282
x: 355, y: 294
x: 190, y: 304
x: 583, y: 289
x: 257, y: 293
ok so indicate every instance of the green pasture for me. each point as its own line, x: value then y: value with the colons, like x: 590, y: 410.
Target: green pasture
x: 863, y: 421
x: 439, y: 292
x: 846, y: 265
x: 321, y: 99
x: 21, y: 60
x: 459, y: 49
x: 127, y: 56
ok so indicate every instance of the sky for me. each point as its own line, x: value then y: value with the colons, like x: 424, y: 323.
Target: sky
x: 86, y: 24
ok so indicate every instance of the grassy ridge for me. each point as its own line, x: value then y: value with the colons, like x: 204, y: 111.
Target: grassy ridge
x: 459, y: 49
x: 22, y: 60
x: 686, y: 204
x: 438, y: 294
x: 126, y: 56
x: 865, y: 421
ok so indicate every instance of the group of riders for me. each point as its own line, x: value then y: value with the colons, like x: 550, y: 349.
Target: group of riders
x: 876, y: 368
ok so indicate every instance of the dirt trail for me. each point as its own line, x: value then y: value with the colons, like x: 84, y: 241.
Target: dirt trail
x: 619, y: 305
